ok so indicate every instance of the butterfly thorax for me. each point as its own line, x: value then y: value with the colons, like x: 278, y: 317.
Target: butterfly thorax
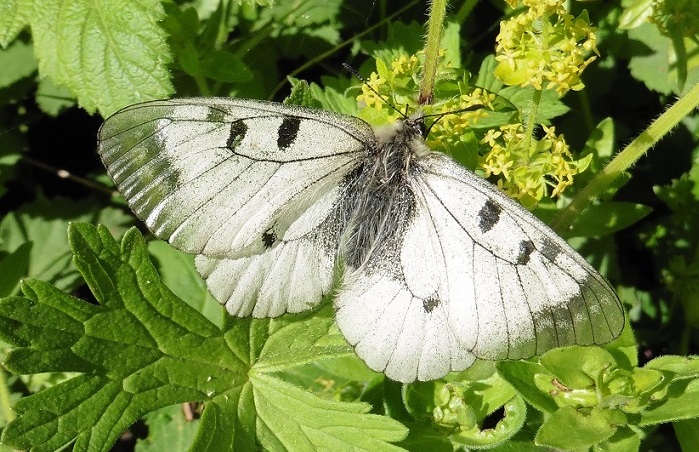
x: 379, y: 202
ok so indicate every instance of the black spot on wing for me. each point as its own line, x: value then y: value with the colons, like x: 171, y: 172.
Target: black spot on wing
x: 236, y: 134
x: 489, y: 215
x: 550, y: 250
x: 286, y: 135
x: 526, y: 248
x: 269, y: 238
x: 429, y: 304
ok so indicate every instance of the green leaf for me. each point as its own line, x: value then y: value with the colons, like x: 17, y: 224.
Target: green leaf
x: 515, y: 414
x: 577, y: 367
x: 169, y: 430
x: 179, y: 274
x: 13, y: 267
x: 569, y: 428
x: 681, y: 402
x: 94, y: 51
x: 17, y: 62
x: 521, y: 375
x: 425, y: 438
x: 43, y: 224
x: 687, y: 433
x: 655, y: 65
x: 682, y: 366
x: 636, y: 14
x: 14, y: 16
x: 549, y: 107
x: 141, y: 348
x: 224, y: 66
x: 607, y: 218
x: 51, y: 98
x: 291, y: 418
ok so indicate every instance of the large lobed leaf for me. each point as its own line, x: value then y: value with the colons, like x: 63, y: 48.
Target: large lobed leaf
x: 141, y: 348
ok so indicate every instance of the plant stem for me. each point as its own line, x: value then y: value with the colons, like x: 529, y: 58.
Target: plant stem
x: 530, y: 120
x: 623, y: 160
x: 435, y: 25
x: 5, y: 405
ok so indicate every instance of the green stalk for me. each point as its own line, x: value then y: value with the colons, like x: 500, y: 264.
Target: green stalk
x: 435, y: 25
x: 623, y: 160
x: 5, y: 404
x: 530, y: 120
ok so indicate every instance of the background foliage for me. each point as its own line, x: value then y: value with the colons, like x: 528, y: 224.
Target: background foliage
x: 108, y: 333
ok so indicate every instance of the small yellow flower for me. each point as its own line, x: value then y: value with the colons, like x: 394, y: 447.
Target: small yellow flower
x: 369, y: 96
x: 545, y: 47
x: 529, y: 168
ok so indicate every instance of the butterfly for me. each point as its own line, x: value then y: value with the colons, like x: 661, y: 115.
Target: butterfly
x: 436, y: 267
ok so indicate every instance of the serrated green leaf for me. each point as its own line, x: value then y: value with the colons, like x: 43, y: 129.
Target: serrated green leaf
x: 291, y: 418
x: 178, y: 272
x: 141, y: 348
x: 92, y: 49
x: 14, y: 16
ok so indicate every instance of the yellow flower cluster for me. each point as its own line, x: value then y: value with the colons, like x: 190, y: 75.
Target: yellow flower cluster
x: 545, y: 47
x: 405, y: 65
x: 370, y: 90
x: 396, y: 83
x: 530, y: 168
x: 456, y: 115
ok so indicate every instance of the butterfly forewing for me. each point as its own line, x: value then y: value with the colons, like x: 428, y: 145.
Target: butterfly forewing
x: 214, y: 176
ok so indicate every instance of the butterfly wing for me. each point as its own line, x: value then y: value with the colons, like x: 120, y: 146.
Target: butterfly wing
x: 243, y: 183
x: 481, y: 277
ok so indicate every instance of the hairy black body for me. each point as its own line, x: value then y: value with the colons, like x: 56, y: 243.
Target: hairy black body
x: 379, y: 203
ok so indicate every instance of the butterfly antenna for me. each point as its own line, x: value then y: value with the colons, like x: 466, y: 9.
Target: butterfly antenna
x: 441, y: 115
x: 356, y: 73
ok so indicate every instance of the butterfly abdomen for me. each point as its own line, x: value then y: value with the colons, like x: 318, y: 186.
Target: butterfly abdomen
x: 379, y: 202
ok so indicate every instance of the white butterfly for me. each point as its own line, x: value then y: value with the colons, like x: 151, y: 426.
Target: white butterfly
x: 438, y: 267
